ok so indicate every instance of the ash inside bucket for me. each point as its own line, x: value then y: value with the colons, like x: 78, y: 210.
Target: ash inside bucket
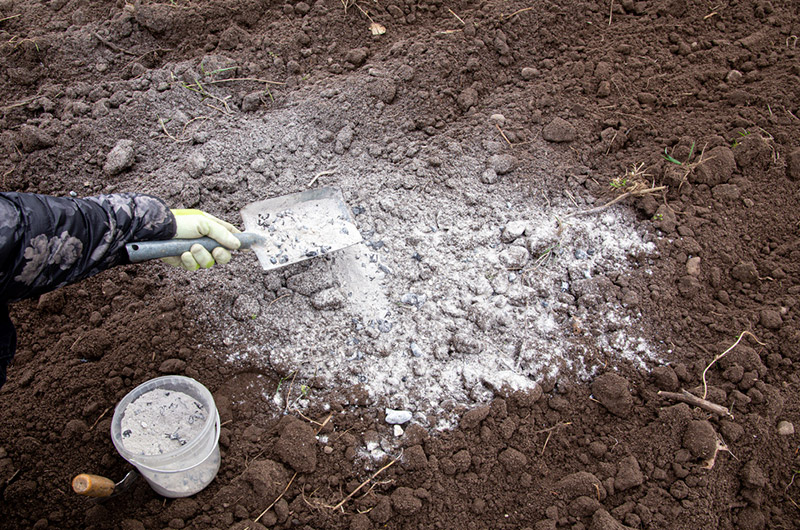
x: 160, y: 421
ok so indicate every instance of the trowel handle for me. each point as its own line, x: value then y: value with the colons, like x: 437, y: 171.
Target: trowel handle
x: 92, y: 485
x: 147, y: 250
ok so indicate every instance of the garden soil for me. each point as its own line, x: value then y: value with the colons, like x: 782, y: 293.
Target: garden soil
x: 576, y: 299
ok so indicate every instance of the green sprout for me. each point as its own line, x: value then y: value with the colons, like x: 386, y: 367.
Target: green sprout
x: 674, y: 160
x: 619, y: 183
x: 282, y: 379
x: 736, y: 142
x: 545, y: 256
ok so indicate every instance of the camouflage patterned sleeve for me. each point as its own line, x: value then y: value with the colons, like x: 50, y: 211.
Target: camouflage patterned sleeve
x: 48, y: 242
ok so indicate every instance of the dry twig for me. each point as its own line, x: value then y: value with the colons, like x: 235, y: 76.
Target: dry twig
x: 503, y: 134
x: 635, y: 193
x: 281, y: 296
x: 687, y: 397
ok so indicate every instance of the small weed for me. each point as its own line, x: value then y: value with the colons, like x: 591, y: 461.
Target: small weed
x: 304, y: 390
x: 736, y: 142
x: 198, y: 88
x: 619, y: 183
x: 17, y: 42
x: 546, y: 256
x: 634, y: 179
x: 658, y: 217
x: 217, y: 71
x: 282, y: 379
x: 672, y: 159
x: 687, y: 167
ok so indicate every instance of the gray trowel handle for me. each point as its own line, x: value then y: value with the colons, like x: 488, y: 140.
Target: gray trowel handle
x: 147, y: 250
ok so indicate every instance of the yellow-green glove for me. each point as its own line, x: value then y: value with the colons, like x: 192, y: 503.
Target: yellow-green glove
x: 192, y: 224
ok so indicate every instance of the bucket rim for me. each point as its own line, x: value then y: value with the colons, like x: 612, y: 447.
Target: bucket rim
x: 170, y: 456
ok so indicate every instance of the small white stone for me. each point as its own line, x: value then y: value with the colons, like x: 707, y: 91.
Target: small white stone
x: 693, y: 266
x: 499, y: 119
x: 398, y: 431
x: 785, y: 428
x: 513, y: 230
x: 397, y: 417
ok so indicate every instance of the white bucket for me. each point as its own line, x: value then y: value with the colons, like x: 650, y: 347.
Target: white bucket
x: 191, y: 467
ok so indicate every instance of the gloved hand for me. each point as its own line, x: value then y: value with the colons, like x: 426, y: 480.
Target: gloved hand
x: 192, y: 224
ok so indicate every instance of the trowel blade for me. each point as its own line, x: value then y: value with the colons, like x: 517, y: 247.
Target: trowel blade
x: 300, y: 226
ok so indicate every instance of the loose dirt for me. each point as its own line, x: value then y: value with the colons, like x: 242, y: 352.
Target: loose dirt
x: 525, y: 327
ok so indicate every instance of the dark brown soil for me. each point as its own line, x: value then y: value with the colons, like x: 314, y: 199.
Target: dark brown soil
x: 612, y: 86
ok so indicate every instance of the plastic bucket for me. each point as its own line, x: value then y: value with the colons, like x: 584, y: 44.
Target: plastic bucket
x: 191, y: 467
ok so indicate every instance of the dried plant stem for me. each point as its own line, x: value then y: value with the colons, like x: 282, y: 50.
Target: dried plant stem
x: 99, y: 418
x: 550, y: 432
x: 232, y: 79
x: 503, y: 134
x: 113, y: 46
x: 517, y: 12
x: 350, y: 496
x: 281, y: 296
x: 321, y: 174
x: 458, y: 17
x: 276, y: 500
x: 723, y: 354
x: 620, y: 198
x: 691, y: 399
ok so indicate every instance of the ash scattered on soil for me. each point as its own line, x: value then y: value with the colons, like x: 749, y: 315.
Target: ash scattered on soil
x: 462, y: 286
x: 456, y: 111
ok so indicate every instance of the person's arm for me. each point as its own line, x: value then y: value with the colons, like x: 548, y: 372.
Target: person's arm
x: 48, y: 242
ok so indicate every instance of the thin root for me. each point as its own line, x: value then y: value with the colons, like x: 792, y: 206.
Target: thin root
x: 723, y: 354
x: 276, y: 500
x: 99, y: 418
x: 350, y: 496
x: 517, y: 12
x: 321, y: 174
x: 622, y: 197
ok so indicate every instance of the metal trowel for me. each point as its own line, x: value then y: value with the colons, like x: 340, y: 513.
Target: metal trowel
x: 281, y: 231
